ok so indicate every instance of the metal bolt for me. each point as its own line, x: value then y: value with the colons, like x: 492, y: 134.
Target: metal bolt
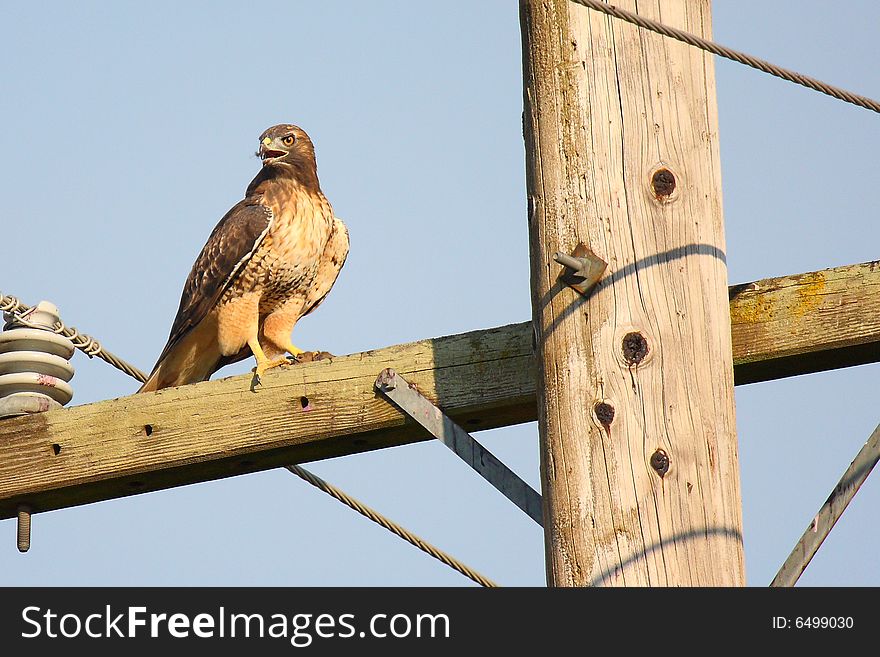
x: 585, y: 268
x: 385, y: 380
x: 24, y: 528
x: 568, y: 261
x: 660, y: 462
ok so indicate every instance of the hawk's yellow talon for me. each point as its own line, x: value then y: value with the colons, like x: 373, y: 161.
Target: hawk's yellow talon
x: 293, y: 350
x: 267, y: 365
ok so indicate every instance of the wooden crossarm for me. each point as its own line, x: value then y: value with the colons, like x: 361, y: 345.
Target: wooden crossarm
x: 482, y: 379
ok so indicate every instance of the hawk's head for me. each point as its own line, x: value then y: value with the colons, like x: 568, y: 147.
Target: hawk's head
x: 287, y: 144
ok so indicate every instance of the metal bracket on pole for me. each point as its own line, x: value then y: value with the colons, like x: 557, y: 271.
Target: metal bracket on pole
x: 830, y: 512
x: 584, y: 268
x: 460, y: 441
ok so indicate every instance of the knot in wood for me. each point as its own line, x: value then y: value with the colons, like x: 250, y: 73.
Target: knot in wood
x: 663, y: 184
x: 660, y: 462
x: 604, y: 413
x: 635, y: 348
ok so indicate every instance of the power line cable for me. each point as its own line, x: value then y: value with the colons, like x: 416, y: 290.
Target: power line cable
x: 391, y: 526
x: 87, y: 344
x: 729, y: 53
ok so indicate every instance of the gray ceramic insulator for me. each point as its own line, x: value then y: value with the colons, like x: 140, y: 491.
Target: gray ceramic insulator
x: 34, y: 363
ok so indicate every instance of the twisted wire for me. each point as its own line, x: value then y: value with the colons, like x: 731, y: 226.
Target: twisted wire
x: 87, y: 344
x: 735, y: 55
x: 391, y: 526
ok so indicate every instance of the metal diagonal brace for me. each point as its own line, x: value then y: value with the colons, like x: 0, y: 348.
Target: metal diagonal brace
x: 830, y: 513
x: 460, y: 441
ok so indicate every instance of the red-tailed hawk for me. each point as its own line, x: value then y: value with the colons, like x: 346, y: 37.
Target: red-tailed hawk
x: 271, y: 260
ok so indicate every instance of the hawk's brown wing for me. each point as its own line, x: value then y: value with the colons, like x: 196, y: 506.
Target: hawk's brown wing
x: 231, y: 244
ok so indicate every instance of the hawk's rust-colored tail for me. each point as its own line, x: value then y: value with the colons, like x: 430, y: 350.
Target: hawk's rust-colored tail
x: 194, y: 358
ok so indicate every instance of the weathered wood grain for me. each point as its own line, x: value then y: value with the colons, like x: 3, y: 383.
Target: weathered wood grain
x: 220, y: 428
x: 483, y: 379
x: 608, y: 106
x: 806, y: 323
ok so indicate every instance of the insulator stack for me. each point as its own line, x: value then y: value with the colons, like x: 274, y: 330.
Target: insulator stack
x: 34, y: 363
x: 34, y: 375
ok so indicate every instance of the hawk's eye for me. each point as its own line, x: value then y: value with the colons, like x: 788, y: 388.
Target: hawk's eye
x: 288, y: 140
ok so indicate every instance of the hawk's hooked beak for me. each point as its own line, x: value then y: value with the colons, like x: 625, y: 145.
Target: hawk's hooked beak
x: 268, y: 154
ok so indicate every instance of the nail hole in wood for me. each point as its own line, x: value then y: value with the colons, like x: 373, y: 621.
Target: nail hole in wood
x: 304, y: 402
x: 148, y: 429
x: 56, y: 448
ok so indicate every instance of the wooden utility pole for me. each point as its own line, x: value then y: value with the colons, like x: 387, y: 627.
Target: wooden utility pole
x: 635, y: 381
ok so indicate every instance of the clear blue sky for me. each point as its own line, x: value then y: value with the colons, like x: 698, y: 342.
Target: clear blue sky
x: 128, y: 129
